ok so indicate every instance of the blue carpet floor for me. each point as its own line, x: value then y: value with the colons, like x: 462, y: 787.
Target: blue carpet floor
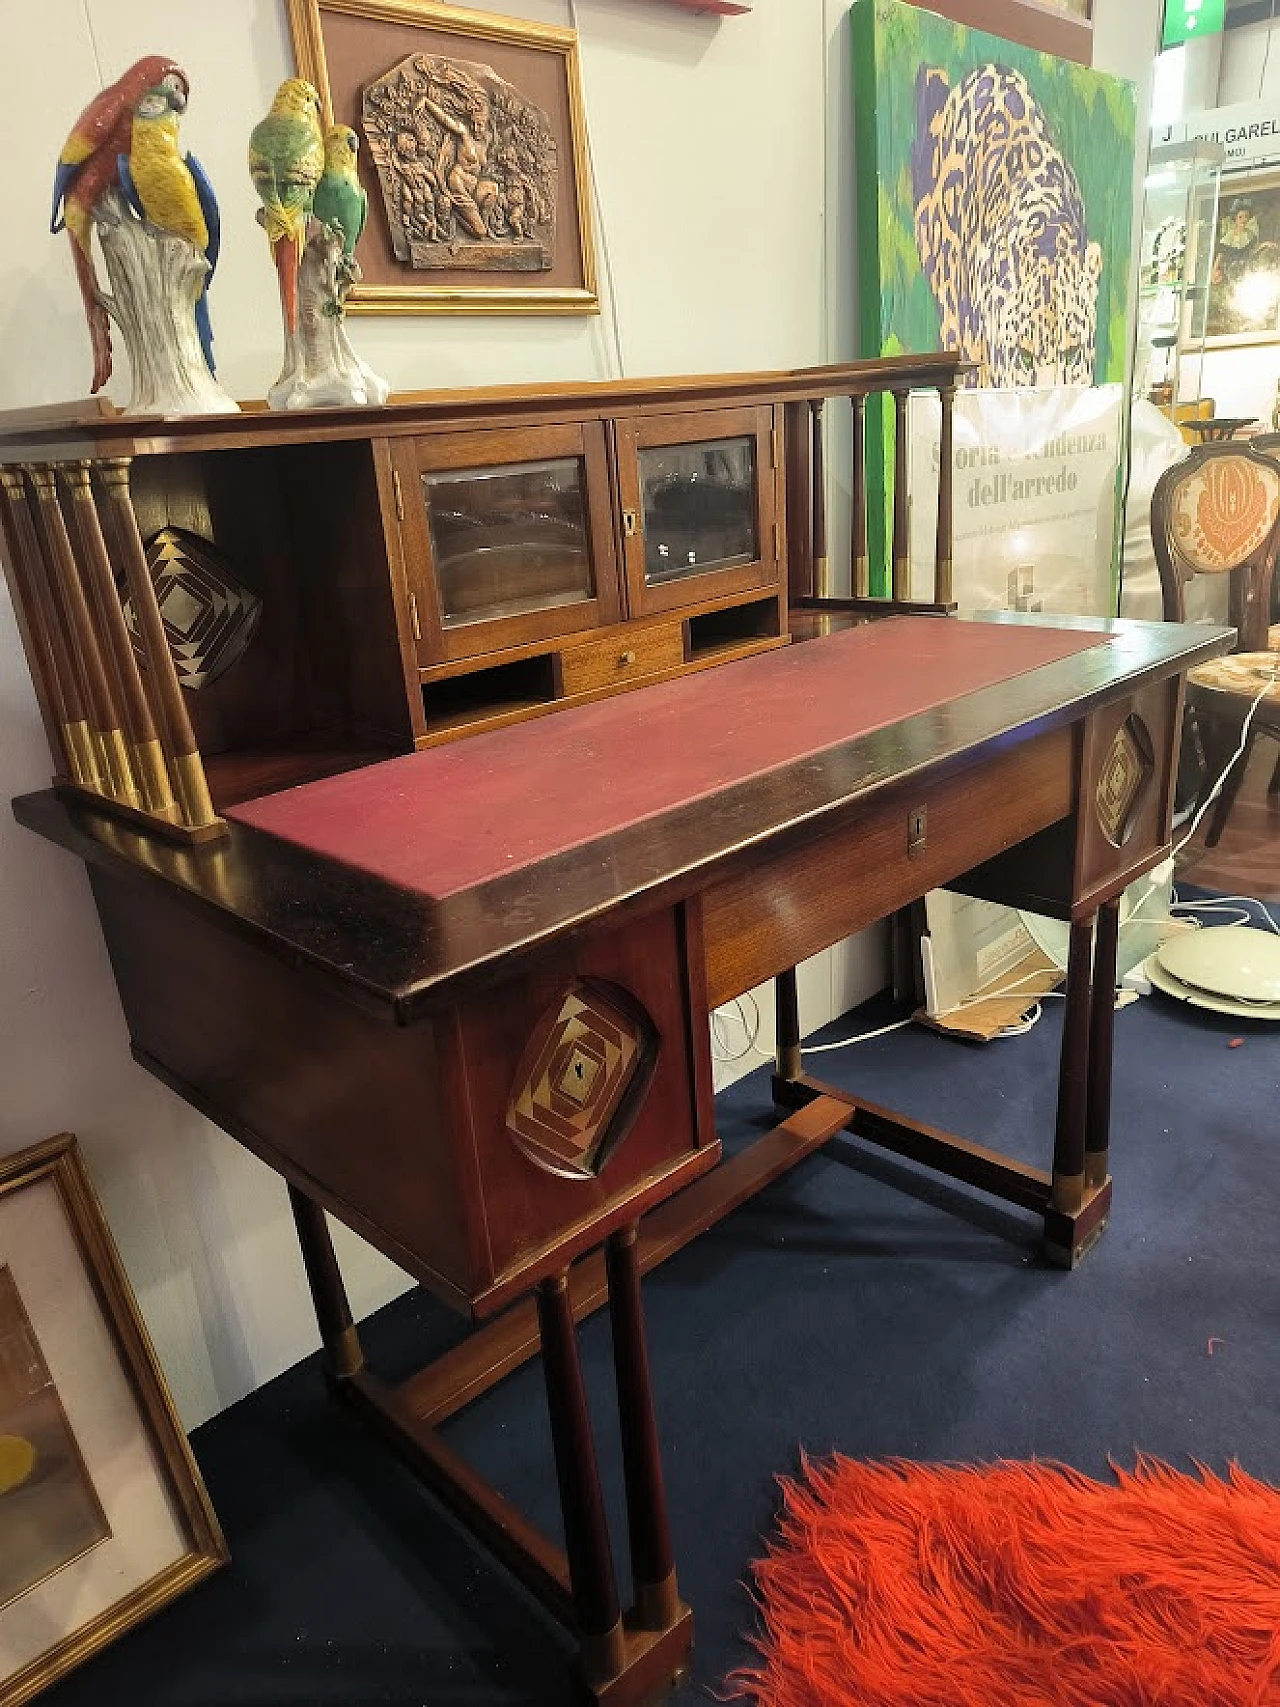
x: 856, y: 1305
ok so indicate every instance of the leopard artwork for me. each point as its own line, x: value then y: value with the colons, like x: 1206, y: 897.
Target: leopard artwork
x: 1000, y: 230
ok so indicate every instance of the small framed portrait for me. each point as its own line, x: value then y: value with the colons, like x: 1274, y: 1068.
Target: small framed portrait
x: 472, y: 152
x: 1244, y: 282
x: 103, y: 1516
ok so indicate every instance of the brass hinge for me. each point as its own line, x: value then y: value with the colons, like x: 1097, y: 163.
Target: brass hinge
x: 413, y: 616
x: 395, y: 484
x: 777, y: 539
x: 775, y: 448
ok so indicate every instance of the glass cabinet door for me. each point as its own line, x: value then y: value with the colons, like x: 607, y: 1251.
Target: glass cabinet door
x: 698, y: 506
x: 510, y: 531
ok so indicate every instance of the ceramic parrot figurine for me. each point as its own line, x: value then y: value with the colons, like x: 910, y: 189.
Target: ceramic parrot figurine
x: 89, y: 166
x: 340, y: 197
x: 170, y: 190
x: 286, y: 158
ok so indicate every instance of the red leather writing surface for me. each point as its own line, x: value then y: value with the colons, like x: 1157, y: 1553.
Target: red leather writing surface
x: 444, y: 820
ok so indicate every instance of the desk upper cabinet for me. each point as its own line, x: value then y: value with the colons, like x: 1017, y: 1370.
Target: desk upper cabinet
x: 219, y: 607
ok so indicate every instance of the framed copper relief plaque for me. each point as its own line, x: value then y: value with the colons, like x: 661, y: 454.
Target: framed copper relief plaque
x: 472, y: 153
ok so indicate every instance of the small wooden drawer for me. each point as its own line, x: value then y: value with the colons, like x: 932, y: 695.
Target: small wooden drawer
x: 625, y: 653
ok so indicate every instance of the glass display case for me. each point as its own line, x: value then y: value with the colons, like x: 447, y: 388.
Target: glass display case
x: 1179, y: 223
x: 534, y: 534
x: 508, y: 540
x: 514, y: 537
x: 698, y: 507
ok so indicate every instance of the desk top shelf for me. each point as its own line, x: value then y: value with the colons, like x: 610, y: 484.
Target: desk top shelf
x: 215, y: 607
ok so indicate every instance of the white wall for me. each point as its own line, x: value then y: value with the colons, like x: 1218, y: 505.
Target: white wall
x: 710, y: 141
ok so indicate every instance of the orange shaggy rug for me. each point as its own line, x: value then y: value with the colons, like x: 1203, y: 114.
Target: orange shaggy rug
x: 1018, y: 1585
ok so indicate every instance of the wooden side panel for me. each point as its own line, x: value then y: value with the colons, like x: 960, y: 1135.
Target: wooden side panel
x: 775, y: 914
x: 349, y: 1107
x: 528, y: 1207
x: 1134, y: 738
x: 342, y: 560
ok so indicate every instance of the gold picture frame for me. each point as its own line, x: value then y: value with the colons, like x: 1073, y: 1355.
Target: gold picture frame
x: 341, y: 46
x: 1243, y: 305
x: 107, y: 1519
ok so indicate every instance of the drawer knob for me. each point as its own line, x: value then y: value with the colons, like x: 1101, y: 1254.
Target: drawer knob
x: 626, y: 658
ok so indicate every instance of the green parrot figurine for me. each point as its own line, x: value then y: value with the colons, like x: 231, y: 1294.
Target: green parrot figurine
x: 286, y: 157
x: 340, y: 197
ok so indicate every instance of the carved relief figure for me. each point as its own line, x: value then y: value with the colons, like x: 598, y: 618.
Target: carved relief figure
x: 467, y: 166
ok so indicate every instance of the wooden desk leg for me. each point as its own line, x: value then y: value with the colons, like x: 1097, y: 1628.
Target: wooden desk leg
x: 1076, y: 1213
x: 653, y: 1570
x: 344, y: 1356
x: 586, y: 1530
x: 786, y: 995
x: 1101, y: 1030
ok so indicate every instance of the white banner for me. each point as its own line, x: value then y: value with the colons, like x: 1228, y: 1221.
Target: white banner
x: 1034, y: 497
x: 1248, y: 131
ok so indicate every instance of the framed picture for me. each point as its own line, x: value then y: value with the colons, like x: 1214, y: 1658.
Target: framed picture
x: 1064, y: 27
x: 965, y: 145
x: 472, y: 152
x: 1244, y: 283
x: 103, y: 1516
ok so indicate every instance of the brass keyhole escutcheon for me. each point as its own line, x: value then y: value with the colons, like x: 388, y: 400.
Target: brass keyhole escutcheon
x: 917, y: 830
x: 626, y: 658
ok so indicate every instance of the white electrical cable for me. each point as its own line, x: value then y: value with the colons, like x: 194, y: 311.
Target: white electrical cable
x: 1036, y: 1010
x: 735, y: 1010
x: 982, y: 996
x: 845, y: 1042
x: 1222, y: 904
x: 1205, y: 804
x: 1217, y: 788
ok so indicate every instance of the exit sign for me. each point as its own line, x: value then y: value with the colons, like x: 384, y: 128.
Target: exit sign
x: 1184, y: 20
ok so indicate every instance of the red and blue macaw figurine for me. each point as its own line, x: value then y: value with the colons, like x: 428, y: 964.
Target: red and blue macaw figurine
x: 95, y: 159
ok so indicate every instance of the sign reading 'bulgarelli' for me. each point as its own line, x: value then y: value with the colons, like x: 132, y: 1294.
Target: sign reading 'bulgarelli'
x: 1249, y: 131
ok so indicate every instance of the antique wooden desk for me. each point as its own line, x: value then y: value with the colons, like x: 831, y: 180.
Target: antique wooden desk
x: 459, y: 998
x: 494, y: 1061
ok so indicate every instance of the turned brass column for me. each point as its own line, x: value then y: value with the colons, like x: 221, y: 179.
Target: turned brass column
x: 172, y: 721
x: 145, y: 750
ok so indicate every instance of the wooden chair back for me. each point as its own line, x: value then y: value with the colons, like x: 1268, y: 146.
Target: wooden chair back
x: 1269, y: 445
x: 1217, y: 512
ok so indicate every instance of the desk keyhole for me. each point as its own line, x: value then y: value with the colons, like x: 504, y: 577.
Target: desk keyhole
x: 917, y: 830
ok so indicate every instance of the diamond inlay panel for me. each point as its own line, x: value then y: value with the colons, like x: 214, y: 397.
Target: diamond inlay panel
x: 582, y: 1079
x: 1124, y: 779
x: 209, y: 618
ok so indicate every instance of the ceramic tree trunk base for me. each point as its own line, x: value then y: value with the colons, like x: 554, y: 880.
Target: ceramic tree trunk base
x: 156, y: 281
x: 321, y: 369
